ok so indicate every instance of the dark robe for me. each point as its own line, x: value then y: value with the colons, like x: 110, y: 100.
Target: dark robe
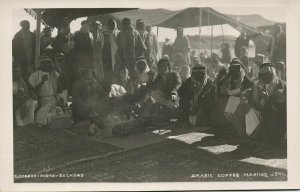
x: 109, y: 54
x: 273, y: 126
x: 83, y: 50
x: 168, y: 85
x: 240, y: 42
x: 226, y: 56
x: 182, y: 46
x: 218, y: 118
x: 152, y: 49
x: 206, y: 100
x: 168, y: 50
x: 88, y: 98
x: 61, y: 42
x: 19, y: 54
x: 279, y: 51
x: 130, y: 47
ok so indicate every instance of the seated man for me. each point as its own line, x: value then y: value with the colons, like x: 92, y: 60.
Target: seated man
x: 197, y: 96
x: 232, y: 83
x: 185, y: 73
x: 268, y: 98
x: 24, y: 100
x: 90, y: 101
x: 165, y: 85
x: 45, y: 83
x: 143, y: 72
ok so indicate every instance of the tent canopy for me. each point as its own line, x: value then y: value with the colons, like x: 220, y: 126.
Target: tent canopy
x: 150, y: 16
x: 53, y: 17
x: 190, y: 17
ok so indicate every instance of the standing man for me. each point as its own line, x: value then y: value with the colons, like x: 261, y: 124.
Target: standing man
x: 64, y: 41
x: 243, y: 40
x: 46, y: 39
x: 245, y: 59
x: 168, y: 48
x: 182, y: 45
x: 23, y: 49
x: 130, y: 45
x: 277, y: 45
x: 109, y: 51
x: 97, y: 44
x: 140, y: 27
x: 152, y: 47
x: 83, y: 50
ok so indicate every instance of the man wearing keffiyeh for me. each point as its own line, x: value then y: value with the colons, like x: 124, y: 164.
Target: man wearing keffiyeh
x: 268, y: 98
x: 45, y: 84
x: 197, y: 96
x: 233, y: 83
x: 130, y: 45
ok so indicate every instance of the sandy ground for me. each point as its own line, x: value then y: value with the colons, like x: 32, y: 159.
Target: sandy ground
x: 167, y: 153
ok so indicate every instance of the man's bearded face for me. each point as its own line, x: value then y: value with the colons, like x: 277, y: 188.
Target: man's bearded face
x: 198, y: 76
x: 87, y: 75
x: 163, y: 68
x: 266, y: 77
x: 46, y: 66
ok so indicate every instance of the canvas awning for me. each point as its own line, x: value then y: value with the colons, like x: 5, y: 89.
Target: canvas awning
x: 150, y: 16
x: 204, y: 16
x: 54, y: 17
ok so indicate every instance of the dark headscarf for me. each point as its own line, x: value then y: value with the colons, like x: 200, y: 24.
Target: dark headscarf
x: 126, y: 24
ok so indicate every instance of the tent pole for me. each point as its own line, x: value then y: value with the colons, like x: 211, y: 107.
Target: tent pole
x: 38, y: 38
x: 200, y: 24
x: 211, y: 36
x: 211, y: 42
x: 222, y: 33
x: 157, y: 31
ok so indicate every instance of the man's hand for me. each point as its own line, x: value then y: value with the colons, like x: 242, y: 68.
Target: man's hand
x: 173, y: 97
x: 45, y: 78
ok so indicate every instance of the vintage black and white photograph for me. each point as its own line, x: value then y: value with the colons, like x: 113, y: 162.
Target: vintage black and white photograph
x: 134, y: 94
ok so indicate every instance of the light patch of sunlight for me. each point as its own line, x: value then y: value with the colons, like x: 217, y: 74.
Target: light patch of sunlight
x: 190, y: 138
x: 161, y: 131
x: 275, y: 163
x: 219, y: 148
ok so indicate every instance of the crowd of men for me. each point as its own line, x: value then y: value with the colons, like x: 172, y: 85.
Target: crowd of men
x: 104, y: 70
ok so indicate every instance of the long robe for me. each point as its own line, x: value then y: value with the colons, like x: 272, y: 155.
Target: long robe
x: 168, y: 50
x: 87, y: 98
x: 83, y: 50
x: 23, y: 51
x: 130, y: 47
x: 109, y: 54
x: 97, y: 44
x: 46, y: 95
x: 277, y: 48
x: 182, y: 46
x: 222, y: 83
x: 152, y: 49
x: 240, y: 42
x: 24, y: 104
x: 273, y: 114
x: 168, y: 85
x: 198, y: 103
